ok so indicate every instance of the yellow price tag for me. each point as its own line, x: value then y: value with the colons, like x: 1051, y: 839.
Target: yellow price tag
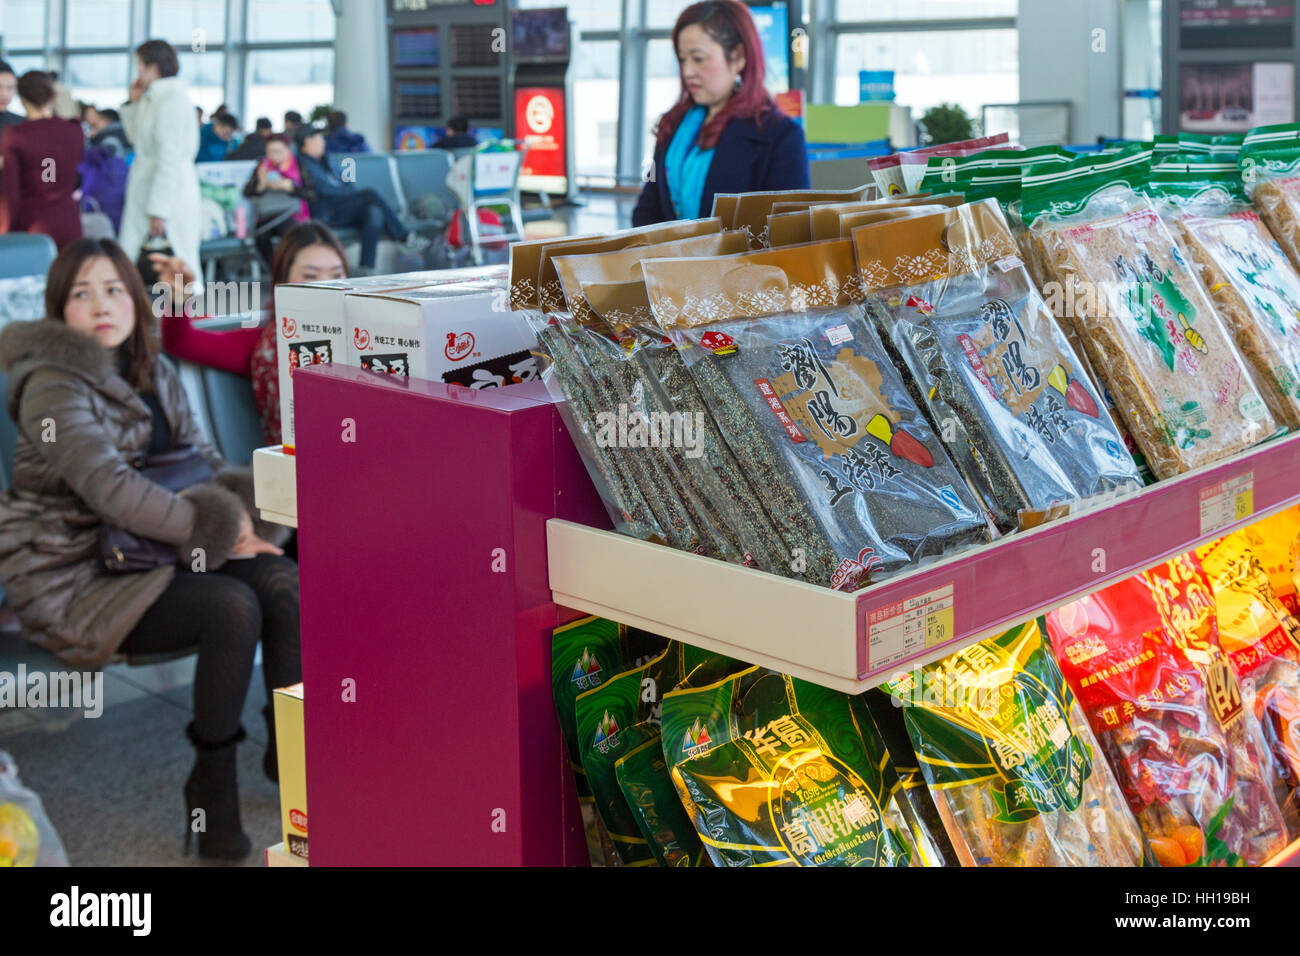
x: 938, y: 627
x: 1245, y: 504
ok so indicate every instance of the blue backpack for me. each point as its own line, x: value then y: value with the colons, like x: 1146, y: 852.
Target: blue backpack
x: 103, y: 179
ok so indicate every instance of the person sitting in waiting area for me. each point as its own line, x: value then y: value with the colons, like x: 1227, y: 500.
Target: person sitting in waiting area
x: 276, y: 186
x: 342, y: 205
x: 340, y: 139
x: 106, y: 131
x: 308, y: 252
x: 40, y: 166
x: 458, y: 135
x: 254, y: 144
x: 93, y: 366
x: 292, y: 123
x: 217, y: 138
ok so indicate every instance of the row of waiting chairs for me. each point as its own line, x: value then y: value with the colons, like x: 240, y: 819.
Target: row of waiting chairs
x: 407, y: 180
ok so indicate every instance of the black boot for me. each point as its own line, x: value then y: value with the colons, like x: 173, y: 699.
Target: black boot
x: 212, y: 788
x: 270, y: 762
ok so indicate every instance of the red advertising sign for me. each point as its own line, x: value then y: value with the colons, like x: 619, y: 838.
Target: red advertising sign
x: 539, y: 120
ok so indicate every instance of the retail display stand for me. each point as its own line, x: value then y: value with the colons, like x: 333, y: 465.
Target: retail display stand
x: 430, y: 730
x: 851, y: 642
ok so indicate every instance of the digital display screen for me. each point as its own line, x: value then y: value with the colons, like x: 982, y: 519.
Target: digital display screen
x: 415, y: 48
x: 1235, y: 24
x: 541, y: 36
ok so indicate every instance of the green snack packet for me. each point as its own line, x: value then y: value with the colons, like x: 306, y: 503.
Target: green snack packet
x: 614, y: 720
x: 584, y: 654
x: 1010, y: 759
x: 643, y: 778
x: 1067, y: 188
x: 1197, y: 183
x: 955, y: 173
x: 777, y: 771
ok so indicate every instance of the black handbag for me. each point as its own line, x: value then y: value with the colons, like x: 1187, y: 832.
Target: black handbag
x: 122, y: 551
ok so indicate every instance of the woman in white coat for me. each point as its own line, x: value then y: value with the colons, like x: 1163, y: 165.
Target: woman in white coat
x: 162, y: 188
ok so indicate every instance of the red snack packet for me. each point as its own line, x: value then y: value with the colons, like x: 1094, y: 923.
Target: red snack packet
x: 1143, y: 658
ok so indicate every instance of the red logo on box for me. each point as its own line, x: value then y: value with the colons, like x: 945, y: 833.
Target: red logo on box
x: 361, y: 338
x: 298, y: 820
x: 458, y: 346
x: 289, y: 326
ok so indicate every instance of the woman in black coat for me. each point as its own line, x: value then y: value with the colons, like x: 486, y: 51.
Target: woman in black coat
x: 725, y: 133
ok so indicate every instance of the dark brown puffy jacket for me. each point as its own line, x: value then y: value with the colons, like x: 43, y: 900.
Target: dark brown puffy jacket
x: 80, y: 426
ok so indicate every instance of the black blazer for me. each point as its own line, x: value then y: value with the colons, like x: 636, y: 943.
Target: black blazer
x: 748, y: 158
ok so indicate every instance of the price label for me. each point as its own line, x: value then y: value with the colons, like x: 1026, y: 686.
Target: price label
x: 1227, y: 502
x: 908, y: 627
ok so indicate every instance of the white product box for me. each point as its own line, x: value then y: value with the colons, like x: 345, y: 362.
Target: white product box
x: 310, y: 327
x: 459, y: 333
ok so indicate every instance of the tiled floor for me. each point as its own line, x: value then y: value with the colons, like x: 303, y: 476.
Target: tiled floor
x: 112, y: 785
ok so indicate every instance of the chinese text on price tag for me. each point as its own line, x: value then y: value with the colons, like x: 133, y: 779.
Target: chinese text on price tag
x: 909, y: 627
x: 1227, y: 502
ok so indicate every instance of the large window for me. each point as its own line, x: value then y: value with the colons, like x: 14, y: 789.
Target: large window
x: 966, y: 67
x: 595, y: 103
x: 848, y: 11
x: 288, y: 80
x: 270, y: 56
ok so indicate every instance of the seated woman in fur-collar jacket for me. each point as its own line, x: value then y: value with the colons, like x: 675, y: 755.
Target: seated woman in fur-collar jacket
x: 92, y: 398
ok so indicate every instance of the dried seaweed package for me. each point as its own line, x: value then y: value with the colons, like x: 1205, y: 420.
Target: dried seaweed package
x: 1144, y: 657
x: 1261, y: 640
x: 614, y: 720
x: 1010, y: 760
x: 579, y: 401
x: 1026, y: 422
x: 775, y: 771
x: 1178, y: 379
x: 585, y: 653
x: 626, y: 307
x: 1253, y: 287
x: 1270, y: 169
x: 806, y: 397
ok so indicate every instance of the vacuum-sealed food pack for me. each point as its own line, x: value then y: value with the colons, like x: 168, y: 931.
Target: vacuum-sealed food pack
x: 775, y: 771
x: 614, y: 719
x: 804, y: 392
x: 1010, y: 761
x: 1261, y: 640
x: 1175, y: 373
x: 584, y: 654
x: 1028, y: 425
x: 1144, y: 657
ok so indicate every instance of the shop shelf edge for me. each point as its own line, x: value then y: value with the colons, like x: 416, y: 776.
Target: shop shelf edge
x: 831, y: 638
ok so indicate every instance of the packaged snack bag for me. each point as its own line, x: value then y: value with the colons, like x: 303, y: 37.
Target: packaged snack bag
x: 994, y: 369
x: 752, y: 209
x: 1261, y: 640
x: 949, y: 171
x: 774, y: 771
x: 645, y: 493
x: 808, y: 400
x: 584, y: 654
x: 1275, y: 540
x: 1144, y: 657
x: 625, y: 307
x: 1010, y: 760
x: 1181, y: 386
x: 1252, y: 285
x: 613, y: 721
x: 1270, y: 169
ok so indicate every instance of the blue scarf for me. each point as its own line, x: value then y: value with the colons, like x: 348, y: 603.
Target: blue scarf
x: 687, y: 166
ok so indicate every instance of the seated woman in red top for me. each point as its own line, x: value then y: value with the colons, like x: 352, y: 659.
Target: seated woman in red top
x: 308, y: 252
x: 275, y: 187
x: 40, y: 166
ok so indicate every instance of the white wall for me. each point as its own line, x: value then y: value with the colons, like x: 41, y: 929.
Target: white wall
x: 1064, y: 57
x: 361, y: 70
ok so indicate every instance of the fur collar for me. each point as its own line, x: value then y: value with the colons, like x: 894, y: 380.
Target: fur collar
x: 51, y: 342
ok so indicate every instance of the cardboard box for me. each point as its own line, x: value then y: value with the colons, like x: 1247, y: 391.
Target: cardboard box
x: 291, y: 754
x: 456, y: 333
x: 278, y: 856
x: 310, y: 328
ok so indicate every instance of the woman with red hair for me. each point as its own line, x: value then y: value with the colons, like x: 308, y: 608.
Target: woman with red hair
x: 725, y: 133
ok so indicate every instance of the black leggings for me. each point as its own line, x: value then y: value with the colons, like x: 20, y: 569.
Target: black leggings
x: 225, y: 613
